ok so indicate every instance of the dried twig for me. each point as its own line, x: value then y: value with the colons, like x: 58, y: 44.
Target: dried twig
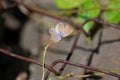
x: 27, y: 60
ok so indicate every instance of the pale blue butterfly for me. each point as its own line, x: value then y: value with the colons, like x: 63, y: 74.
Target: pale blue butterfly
x: 61, y: 30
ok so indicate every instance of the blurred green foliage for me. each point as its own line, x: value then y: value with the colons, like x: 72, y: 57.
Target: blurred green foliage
x: 113, y: 14
x: 91, y: 9
x: 68, y: 4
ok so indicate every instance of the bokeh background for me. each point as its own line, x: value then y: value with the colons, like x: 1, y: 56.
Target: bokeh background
x: 27, y: 35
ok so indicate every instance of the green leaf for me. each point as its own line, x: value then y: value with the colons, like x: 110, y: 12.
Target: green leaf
x: 87, y: 27
x: 91, y: 9
x: 113, y: 15
x: 89, y: 39
x: 68, y: 4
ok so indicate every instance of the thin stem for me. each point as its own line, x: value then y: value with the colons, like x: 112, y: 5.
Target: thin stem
x: 103, y: 22
x: 70, y: 75
x: 43, y: 59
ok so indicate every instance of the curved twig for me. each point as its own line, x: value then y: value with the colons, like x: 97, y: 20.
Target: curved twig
x: 27, y: 60
x: 83, y: 66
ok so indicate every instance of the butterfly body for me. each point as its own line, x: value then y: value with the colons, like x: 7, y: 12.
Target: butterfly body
x: 59, y: 32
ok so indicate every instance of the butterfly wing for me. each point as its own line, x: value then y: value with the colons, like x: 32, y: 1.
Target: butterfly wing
x: 60, y: 28
x: 54, y: 36
x: 63, y: 30
x: 67, y: 31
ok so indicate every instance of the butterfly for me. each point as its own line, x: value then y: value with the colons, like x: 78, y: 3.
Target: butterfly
x: 61, y: 30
